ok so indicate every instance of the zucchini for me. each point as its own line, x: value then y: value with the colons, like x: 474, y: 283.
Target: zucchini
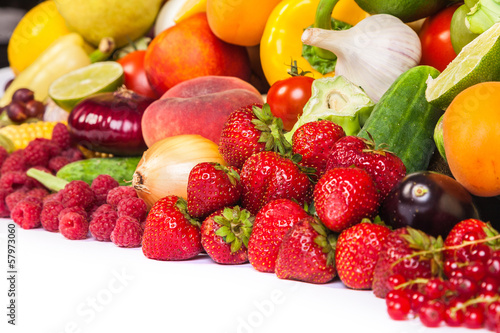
x: 405, y: 121
x: 120, y: 168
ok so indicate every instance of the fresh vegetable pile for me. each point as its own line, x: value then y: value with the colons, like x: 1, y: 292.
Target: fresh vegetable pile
x: 300, y: 137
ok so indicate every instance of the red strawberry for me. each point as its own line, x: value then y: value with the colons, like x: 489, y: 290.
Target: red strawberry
x: 170, y: 233
x: 211, y: 187
x: 384, y: 167
x: 307, y: 253
x: 399, y: 256
x: 268, y: 176
x: 271, y: 224
x: 249, y: 130
x: 225, y: 234
x: 314, y: 140
x: 357, y: 253
x: 344, y: 196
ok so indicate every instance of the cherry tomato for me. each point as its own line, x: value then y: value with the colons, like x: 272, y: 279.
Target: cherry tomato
x: 437, y: 50
x: 287, y: 98
x: 135, y: 76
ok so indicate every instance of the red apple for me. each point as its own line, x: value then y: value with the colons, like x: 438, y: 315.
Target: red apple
x: 197, y: 106
x: 190, y: 49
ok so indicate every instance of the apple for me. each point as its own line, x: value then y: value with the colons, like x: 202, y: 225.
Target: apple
x: 190, y: 49
x: 197, y: 106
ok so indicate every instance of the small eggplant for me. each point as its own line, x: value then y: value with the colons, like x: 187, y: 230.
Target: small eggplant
x: 428, y: 201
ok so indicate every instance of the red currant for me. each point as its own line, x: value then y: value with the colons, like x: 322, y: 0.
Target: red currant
x: 464, y: 286
x: 454, y: 314
x: 449, y: 266
x: 398, y: 309
x: 435, y: 288
x: 417, y: 299
x: 490, y: 284
x: 480, y: 252
x: 493, y: 267
x: 474, y: 317
x: 431, y: 314
x: 395, y: 280
x: 492, y: 315
x: 475, y: 270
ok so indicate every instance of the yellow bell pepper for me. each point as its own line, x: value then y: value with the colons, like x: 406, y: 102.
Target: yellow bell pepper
x: 67, y: 53
x: 281, y: 41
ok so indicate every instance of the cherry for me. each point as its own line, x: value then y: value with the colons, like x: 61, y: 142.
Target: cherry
x: 23, y: 95
x: 16, y: 111
x: 34, y: 109
x: 431, y: 314
x: 454, y: 315
x: 435, y: 288
x: 474, y: 317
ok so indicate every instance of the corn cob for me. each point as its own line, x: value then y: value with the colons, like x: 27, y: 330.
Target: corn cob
x: 21, y: 135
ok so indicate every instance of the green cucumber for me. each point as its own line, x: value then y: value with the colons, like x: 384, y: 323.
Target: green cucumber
x: 404, y: 120
x: 120, y: 168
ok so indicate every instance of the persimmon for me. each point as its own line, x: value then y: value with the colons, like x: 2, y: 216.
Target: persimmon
x: 471, y: 134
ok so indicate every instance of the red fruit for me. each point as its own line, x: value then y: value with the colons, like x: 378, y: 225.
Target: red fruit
x: 27, y: 213
x: 344, y: 196
x: 466, y: 229
x: 78, y: 193
x: 474, y: 317
x: 314, y: 141
x: 133, y: 207
x: 302, y: 258
x: 101, y: 185
x: 357, y: 253
x: 225, y: 234
x: 454, y: 314
x: 74, y: 226
x: 270, y: 226
x: 431, y: 314
x: 398, y: 304
x: 103, y: 222
x: 116, y: 194
x: 398, y: 256
x: 61, y: 136
x: 49, y: 217
x: 384, y: 167
x: 435, y: 288
x: 170, y: 233
x: 268, y: 176
x: 127, y: 232
x: 212, y: 186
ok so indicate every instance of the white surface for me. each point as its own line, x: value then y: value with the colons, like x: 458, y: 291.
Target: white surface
x: 5, y: 75
x: 90, y: 286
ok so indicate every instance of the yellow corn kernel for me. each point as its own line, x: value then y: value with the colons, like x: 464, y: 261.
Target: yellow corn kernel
x: 21, y: 135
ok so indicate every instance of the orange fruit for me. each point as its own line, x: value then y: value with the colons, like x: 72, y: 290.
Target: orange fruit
x: 38, y: 28
x: 471, y: 135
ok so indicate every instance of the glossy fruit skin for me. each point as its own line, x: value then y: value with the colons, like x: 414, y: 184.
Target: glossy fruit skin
x: 287, y: 98
x: 437, y: 50
x: 461, y: 232
x: 135, y: 75
x: 428, y: 201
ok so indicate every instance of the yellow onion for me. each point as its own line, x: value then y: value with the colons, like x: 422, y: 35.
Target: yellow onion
x: 164, y: 168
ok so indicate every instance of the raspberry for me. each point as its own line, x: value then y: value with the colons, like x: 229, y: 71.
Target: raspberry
x: 133, y: 207
x: 3, y: 154
x: 100, y: 209
x: 57, y: 162
x: 15, y: 162
x: 13, y: 198
x: 39, y: 193
x: 116, y: 194
x: 53, y: 197
x: 49, y: 217
x: 27, y: 214
x: 61, y: 136
x: 102, y: 224
x: 127, y: 232
x: 4, y: 210
x: 101, y: 185
x: 78, y: 193
x: 73, y: 209
x: 36, y: 153
x: 74, y: 226
x: 73, y: 154
x: 13, y: 180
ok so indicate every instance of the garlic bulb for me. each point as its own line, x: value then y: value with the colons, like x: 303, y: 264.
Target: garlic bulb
x: 373, y: 53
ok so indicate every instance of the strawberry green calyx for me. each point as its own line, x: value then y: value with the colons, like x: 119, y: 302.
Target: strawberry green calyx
x: 236, y: 226
x: 272, y: 130
x: 327, y: 240
x: 182, y: 206
x: 492, y: 236
x: 232, y: 174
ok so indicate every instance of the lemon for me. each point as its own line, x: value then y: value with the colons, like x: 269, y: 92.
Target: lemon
x: 189, y: 8
x: 479, y: 61
x: 38, y: 28
x: 71, y: 88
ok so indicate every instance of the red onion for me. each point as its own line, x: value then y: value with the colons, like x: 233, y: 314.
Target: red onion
x: 110, y: 123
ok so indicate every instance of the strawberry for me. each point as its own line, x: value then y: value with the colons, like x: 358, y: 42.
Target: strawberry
x: 212, y: 186
x: 357, y: 253
x: 344, y: 196
x: 170, y: 233
x: 314, y: 140
x: 271, y: 224
x: 307, y: 253
x: 410, y: 253
x: 384, y: 167
x: 249, y: 130
x: 225, y: 234
x: 268, y: 176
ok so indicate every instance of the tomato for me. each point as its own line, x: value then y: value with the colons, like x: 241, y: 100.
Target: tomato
x: 437, y: 50
x: 135, y: 76
x: 287, y: 98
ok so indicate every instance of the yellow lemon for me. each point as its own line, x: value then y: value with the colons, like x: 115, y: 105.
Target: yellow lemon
x: 33, y: 34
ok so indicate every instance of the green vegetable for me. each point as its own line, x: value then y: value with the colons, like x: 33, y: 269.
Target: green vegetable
x: 120, y: 168
x: 438, y: 138
x: 405, y: 121
x: 483, y: 15
x: 47, y: 179
x: 460, y: 35
x: 405, y: 10
x: 336, y: 99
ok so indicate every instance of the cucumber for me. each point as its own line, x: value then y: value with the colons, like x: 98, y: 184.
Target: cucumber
x: 405, y: 121
x: 120, y: 168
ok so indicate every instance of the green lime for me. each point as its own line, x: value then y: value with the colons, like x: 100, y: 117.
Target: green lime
x: 477, y: 62
x: 407, y: 11
x: 71, y: 88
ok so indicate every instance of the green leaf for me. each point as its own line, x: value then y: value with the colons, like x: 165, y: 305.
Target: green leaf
x: 223, y: 231
x: 230, y: 238
x: 236, y: 245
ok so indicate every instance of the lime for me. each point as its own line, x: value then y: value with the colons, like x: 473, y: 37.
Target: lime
x: 406, y: 11
x: 477, y: 62
x: 71, y: 88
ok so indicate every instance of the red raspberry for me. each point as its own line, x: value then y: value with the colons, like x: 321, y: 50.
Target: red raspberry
x: 57, y: 162
x: 3, y: 154
x: 61, y: 136
x: 50, y: 215
x: 102, y: 224
x: 12, y: 199
x: 133, y: 207
x: 4, y: 210
x: 13, y: 180
x: 78, y: 193
x: 36, y: 153
x: 74, y: 226
x: 73, y: 154
x: 73, y: 209
x: 101, y: 185
x: 127, y: 232
x: 39, y: 193
x: 116, y: 194
x: 53, y: 197
x: 101, y: 209
x: 27, y: 213
x: 15, y: 162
